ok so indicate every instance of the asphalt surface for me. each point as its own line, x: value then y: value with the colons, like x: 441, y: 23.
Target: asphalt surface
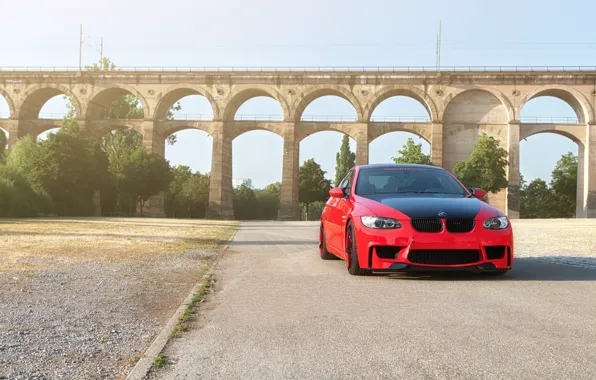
x: 280, y: 312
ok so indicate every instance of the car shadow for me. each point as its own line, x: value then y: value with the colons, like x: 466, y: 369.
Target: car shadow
x: 524, y: 269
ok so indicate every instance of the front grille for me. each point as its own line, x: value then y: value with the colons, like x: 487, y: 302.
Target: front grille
x: 459, y: 225
x: 495, y: 252
x: 444, y: 256
x: 427, y: 225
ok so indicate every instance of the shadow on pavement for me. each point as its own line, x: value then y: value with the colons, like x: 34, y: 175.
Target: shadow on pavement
x: 524, y: 269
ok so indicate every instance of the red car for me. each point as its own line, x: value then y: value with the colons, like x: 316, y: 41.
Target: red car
x: 398, y: 217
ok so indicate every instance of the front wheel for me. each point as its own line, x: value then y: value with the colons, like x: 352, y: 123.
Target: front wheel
x: 352, y: 253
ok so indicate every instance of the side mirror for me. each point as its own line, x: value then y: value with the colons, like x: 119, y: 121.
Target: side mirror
x: 336, y: 192
x: 477, y: 192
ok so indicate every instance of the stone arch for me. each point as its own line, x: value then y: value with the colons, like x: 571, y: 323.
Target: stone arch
x: 170, y: 130
x: 411, y: 92
x: 175, y: 93
x: 381, y: 129
x: 315, y: 92
x: 309, y: 129
x: 102, y: 99
x: 504, y: 101
x: 237, y: 98
x: 242, y: 129
x: 10, y: 102
x: 575, y: 99
x: 572, y: 133
x: 108, y: 127
x: 36, y: 96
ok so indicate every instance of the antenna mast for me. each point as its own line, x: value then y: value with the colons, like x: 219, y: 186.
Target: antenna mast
x: 81, y: 48
x: 101, y: 52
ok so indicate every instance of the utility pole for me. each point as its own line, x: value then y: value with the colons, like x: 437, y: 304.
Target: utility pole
x: 81, y: 49
x: 439, y: 48
x: 101, y: 52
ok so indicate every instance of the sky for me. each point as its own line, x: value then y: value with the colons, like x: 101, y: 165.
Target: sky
x: 306, y: 33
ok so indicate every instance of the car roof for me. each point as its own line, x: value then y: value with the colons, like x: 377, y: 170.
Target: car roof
x: 390, y: 166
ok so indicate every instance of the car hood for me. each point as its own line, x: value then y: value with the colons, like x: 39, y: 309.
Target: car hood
x: 418, y: 206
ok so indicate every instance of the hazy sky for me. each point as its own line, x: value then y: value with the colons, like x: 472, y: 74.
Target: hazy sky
x: 306, y: 33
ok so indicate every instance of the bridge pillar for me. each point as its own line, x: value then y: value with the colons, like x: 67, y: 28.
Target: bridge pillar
x: 154, y: 142
x: 436, y: 144
x: 513, y: 196
x: 586, y: 173
x: 362, y: 144
x: 221, y: 204
x: 14, y: 132
x: 289, y: 206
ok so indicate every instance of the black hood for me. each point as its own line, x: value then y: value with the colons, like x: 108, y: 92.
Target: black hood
x: 417, y: 206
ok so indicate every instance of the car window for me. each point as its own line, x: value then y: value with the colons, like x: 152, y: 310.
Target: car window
x: 407, y: 180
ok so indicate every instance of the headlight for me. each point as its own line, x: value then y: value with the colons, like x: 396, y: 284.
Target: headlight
x: 498, y: 223
x: 378, y: 222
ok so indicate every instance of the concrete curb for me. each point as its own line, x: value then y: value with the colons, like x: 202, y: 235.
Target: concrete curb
x: 143, y: 366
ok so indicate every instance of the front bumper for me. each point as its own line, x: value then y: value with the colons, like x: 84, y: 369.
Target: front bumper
x: 406, y: 249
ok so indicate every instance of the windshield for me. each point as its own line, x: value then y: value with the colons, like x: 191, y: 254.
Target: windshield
x: 407, y: 180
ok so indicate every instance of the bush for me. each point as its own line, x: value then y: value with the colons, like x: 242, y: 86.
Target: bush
x: 18, y: 198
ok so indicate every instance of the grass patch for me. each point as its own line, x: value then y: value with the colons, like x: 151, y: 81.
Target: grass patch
x: 30, y: 244
x: 160, y: 361
x: 191, y: 310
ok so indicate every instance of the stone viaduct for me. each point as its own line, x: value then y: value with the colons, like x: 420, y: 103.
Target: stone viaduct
x: 461, y: 105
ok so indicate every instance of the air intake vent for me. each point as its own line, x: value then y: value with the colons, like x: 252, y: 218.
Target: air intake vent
x: 459, y: 225
x: 444, y: 256
x: 427, y: 225
x: 495, y: 252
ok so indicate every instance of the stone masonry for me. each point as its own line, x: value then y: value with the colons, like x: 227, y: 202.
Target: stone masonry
x: 461, y: 106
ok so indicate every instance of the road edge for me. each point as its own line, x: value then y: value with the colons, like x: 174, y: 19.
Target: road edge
x: 144, y: 365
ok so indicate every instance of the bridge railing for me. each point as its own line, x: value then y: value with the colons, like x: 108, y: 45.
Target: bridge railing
x: 307, y: 69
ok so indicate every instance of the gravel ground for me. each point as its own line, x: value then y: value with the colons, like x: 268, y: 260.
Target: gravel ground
x: 63, y: 317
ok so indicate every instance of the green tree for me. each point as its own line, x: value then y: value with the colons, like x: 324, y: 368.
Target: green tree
x: 268, y: 201
x: 194, y: 195
x: 245, y: 202
x: 345, y: 160
x: 536, y: 200
x: 411, y: 153
x: 141, y: 175
x: 313, y: 184
x: 486, y: 167
x: 564, y: 186
x: 19, y: 197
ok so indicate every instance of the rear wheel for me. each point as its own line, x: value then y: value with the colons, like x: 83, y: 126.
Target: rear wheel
x: 324, y: 253
x: 352, y: 253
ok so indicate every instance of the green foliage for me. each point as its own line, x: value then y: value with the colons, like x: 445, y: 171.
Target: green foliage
x: 345, y: 160
x: 536, y: 200
x: 188, y: 193
x: 245, y: 203
x: 18, y: 197
x: 564, y: 185
x: 314, y: 210
x: 486, y: 168
x: 313, y: 184
x: 411, y: 153
x: 268, y: 202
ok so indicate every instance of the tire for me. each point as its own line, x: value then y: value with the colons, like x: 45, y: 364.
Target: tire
x: 352, y: 252
x: 323, y: 252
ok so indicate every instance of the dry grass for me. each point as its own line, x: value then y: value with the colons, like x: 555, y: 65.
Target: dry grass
x: 27, y: 244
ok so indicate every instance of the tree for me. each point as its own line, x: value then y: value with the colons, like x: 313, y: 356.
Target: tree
x: 18, y: 196
x: 411, y: 153
x: 245, y: 202
x: 564, y: 185
x: 486, y: 167
x: 345, y: 160
x: 313, y: 184
x: 268, y: 201
x: 536, y: 200
x: 141, y: 175
x: 194, y: 195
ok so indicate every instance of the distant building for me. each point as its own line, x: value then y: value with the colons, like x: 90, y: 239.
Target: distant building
x: 237, y: 182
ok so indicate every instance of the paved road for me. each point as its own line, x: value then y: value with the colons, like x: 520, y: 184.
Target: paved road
x: 282, y: 313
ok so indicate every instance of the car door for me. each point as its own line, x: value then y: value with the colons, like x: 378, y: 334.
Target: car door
x: 334, y: 220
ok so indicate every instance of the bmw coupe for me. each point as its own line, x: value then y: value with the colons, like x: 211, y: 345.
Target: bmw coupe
x: 401, y: 217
